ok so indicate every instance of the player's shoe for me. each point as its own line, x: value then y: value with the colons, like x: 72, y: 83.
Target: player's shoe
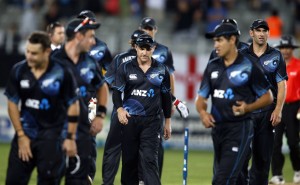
x: 277, y: 180
x: 296, y: 178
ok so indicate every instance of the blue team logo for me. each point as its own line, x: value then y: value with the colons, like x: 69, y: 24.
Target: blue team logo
x: 97, y: 54
x: 134, y: 107
x: 44, y: 104
x: 150, y: 93
x: 160, y: 54
x: 155, y: 77
x: 229, y: 94
x: 86, y: 74
x: 271, y: 64
x: 29, y: 124
x: 239, y: 75
x: 82, y: 91
x: 50, y: 86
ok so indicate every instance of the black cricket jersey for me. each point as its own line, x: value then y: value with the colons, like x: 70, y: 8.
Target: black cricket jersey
x: 240, y: 46
x: 101, y: 54
x: 44, y: 101
x: 241, y: 81
x: 273, y: 66
x: 142, y: 91
x: 163, y: 55
x: 89, y: 79
x: 110, y: 75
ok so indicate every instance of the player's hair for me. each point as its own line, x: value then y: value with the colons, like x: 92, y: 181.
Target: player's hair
x: 72, y: 36
x: 40, y: 37
x: 237, y: 40
x: 51, y: 27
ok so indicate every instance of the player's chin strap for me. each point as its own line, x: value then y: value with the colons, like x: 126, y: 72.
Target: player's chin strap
x: 76, y: 166
x: 181, y: 108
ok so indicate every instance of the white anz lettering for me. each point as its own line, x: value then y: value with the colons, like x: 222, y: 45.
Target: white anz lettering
x: 137, y: 92
x: 218, y: 93
x: 35, y: 104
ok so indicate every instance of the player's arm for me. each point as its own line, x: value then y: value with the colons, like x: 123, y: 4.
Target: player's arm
x: 97, y: 123
x: 242, y: 108
x: 69, y: 144
x: 23, y: 141
x: 201, y: 107
x: 276, y: 114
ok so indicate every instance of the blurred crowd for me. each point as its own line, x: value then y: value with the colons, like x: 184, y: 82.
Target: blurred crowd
x: 188, y: 19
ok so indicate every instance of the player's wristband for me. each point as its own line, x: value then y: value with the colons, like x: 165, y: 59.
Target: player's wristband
x: 70, y: 136
x: 73, y: 119
x: 101, y: 111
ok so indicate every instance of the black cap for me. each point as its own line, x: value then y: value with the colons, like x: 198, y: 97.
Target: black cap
x: 77, y: 25
x: 136, y: 34
x: 148, y: 22
x: 87, y: 13
x: 145, y: 40
x: 286, y: 41
x: 221, y: 30
x: 232, y: 22
x: 259, y: 23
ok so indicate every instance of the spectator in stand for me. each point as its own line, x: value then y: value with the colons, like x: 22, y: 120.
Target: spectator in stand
x: 56, y: 33
x: 215, y: 14
x: 275, y: 24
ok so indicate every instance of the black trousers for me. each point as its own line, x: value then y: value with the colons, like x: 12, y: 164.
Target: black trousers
x: 290, y: 126
x: 262, y: 148
x: 87, y: 153
x: 231, y: 147
x: 112, y: 151
x: 140, y: 143
x: 48, y: 157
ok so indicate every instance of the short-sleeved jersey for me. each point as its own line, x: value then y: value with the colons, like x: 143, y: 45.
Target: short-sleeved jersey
x: 44, y: 101
x: 241, y: 81
x: 110, y: 75
x: 163, y: 55
x: 89, y: 79
x: 142, y: 91
x: 293, y: 84
x: 240, y: 46
x: 273, y: 66
x: 101, y: 54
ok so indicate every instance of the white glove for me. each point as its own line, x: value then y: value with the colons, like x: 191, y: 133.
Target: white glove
x: 92, y: 109
x: 181, y: 108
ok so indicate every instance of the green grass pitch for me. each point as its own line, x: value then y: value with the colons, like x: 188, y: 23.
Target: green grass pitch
x: 199, y: 167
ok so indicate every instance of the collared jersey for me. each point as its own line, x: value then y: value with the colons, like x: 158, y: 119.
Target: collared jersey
x: 89, y: 79
x: 273, y: 66
x: 110, y: 75
x: 293, y: 84
x: 44, y: 101
x: 241, y: 81
x: 163, y: 55
x: 101, y: 54
x: 142, y: 91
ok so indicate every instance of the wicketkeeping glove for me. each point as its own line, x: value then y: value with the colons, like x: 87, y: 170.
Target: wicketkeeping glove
x: 92, y: 109
x: 181, y: 108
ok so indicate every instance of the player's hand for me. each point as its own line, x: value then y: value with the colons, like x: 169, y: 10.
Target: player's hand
x: 167, y: 129
x: 181, y: 108
x: 276, y: 117
x: 96, y: 126
x: 207, y: 119
x: 24, y: 148
x: 123, y: 116
x: 240, y: 108
x: 70, y: 147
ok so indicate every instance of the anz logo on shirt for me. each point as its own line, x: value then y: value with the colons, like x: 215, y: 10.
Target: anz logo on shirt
x: 37, y: 104
x: 143, y: 93
x: 224, y: 94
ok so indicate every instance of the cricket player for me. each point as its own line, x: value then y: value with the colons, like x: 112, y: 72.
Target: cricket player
x: 237, y: 87
x: 271, y: 62
x: 41, y: 98
x: 74, y: 55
